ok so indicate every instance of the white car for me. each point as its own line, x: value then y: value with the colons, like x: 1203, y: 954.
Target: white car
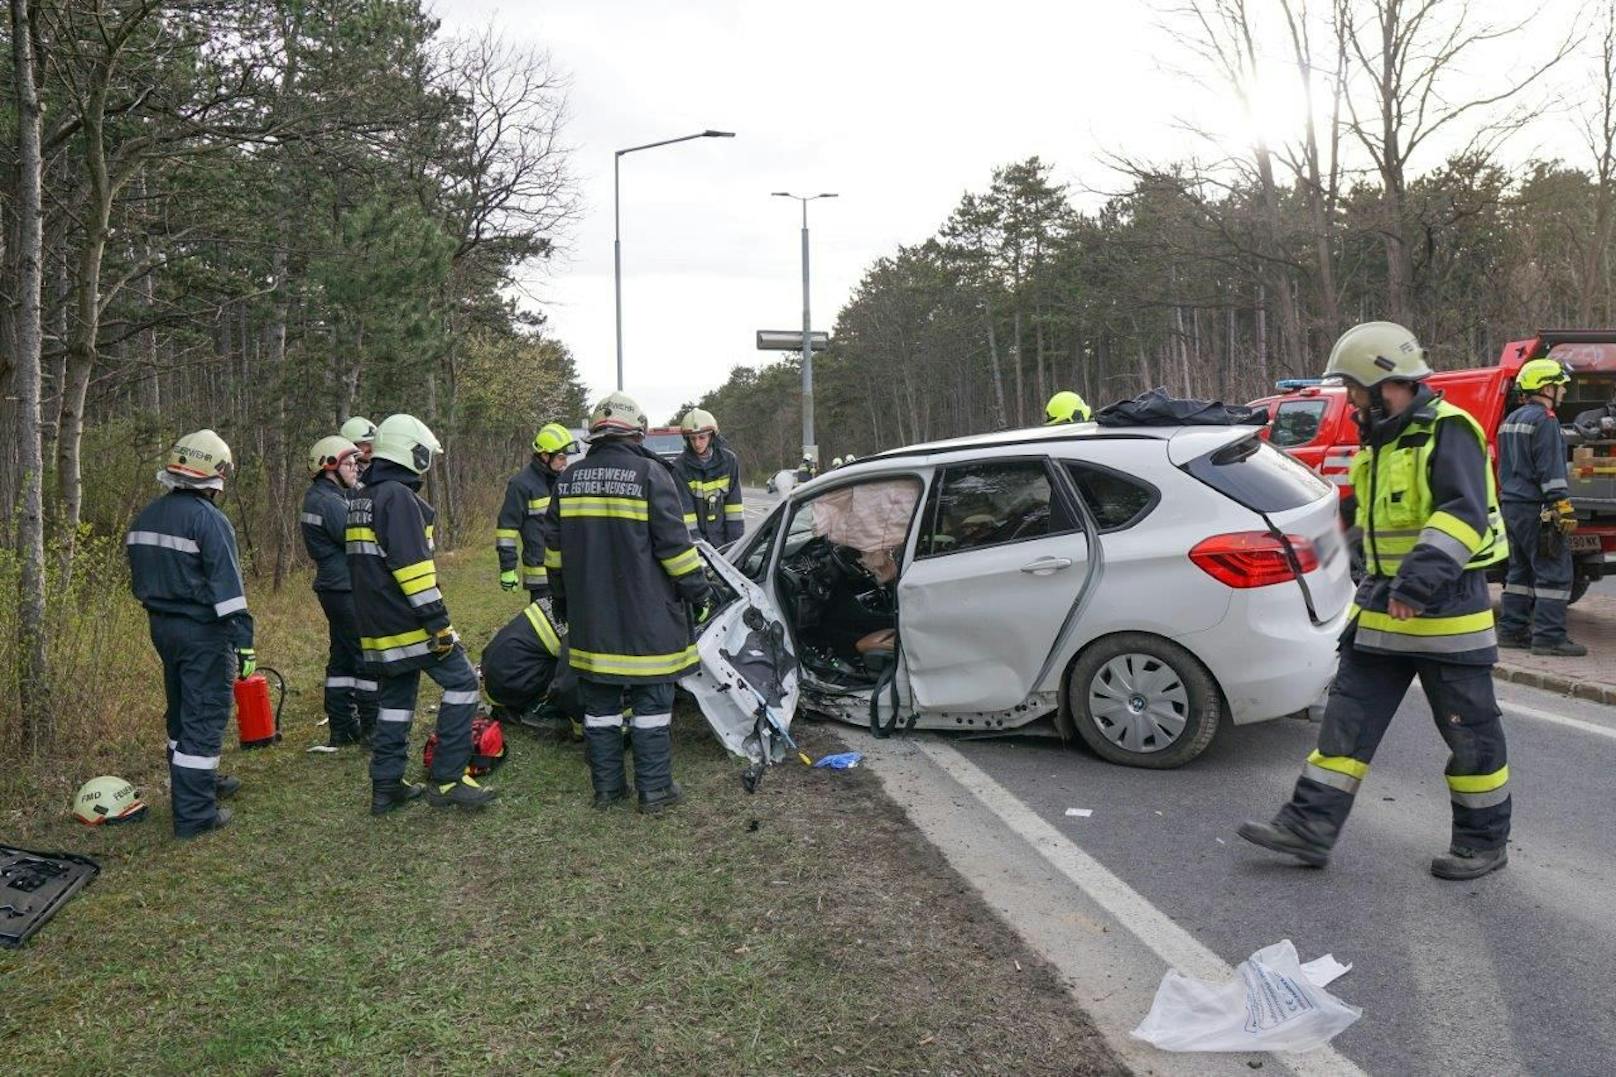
x: 1138, y: 587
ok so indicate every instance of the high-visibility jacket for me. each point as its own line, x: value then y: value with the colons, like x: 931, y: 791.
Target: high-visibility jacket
x: 711, y: 491
x: 520, y: 660
x: 1532, y: 456
x: 527, y: 496
x: 395, y: 581
x: 1428, y: 506
x: 324, y: 523
x: 621, y: 560
x: 183, y: 561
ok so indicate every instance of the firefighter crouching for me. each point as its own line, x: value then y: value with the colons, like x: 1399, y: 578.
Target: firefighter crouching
x: 183, y: 568
x: 404, y: 625
x: 1429, y: 512
x: 527, y: 496
x: 620, y: 561
x: 519, y: 664
x: 710, y: 478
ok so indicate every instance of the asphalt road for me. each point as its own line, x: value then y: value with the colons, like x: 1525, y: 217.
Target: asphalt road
x: 1508, y: 974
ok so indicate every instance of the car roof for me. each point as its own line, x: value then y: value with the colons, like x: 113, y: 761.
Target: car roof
x: 1189, y: 440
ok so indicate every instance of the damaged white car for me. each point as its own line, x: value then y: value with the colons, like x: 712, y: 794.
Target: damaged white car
x: 1136, y: 587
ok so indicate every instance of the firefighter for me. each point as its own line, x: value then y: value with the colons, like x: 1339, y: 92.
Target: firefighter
x: 1066, y: 407
x: 807, y: 469
x: 1429, y: 511
x: 527, y: 495
x: 520, y: 661
x: 350, y: 693
x: 404, y: 626
x: 1535, y: 498
x: 710, y: 479
x: 183, y: 568
x: 362, y: 432
x: 615, y: 531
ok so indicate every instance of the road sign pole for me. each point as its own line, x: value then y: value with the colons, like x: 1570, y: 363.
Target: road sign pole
x: 807, y: 349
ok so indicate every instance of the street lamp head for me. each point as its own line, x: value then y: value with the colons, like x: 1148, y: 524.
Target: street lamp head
x: 781, y: 194
x: 828, y: 194
x: 709, y: 133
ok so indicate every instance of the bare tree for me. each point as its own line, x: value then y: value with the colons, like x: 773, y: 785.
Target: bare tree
x: 1599, y: 131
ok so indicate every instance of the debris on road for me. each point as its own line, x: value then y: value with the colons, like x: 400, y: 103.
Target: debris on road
x: 840, y: 761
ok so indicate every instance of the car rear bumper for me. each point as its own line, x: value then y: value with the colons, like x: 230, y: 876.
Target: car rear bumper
x: 1269, y: 658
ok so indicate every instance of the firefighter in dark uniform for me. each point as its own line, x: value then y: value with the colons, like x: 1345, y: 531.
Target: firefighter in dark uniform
x: 520, y: 661
x: 1429, y: 512
x: 620, y: 562
x: 183, y: 568
x: 710, y: 479
x: 404, y: 625
x: 350, y: 693
x: 1535, y: 497
x: 527, y: 495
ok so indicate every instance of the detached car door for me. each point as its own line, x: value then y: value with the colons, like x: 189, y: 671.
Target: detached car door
x: 1000, y: 558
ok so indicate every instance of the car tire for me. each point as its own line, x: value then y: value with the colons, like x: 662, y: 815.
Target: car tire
x: 1119, y: 681
x: 1579, y: 587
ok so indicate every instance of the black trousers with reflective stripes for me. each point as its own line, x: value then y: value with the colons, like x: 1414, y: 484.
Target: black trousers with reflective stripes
x: 1367, y: 691
x: 350, y: 690
x: 199, y: 668
x: 1538, y: 587
x: 396, y: 700
x: 652, y: 708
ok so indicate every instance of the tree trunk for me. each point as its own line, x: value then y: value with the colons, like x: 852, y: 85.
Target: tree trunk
x: 1021, y: 390
x: 1000, y: 415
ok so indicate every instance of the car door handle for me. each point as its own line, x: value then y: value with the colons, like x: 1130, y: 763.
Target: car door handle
x: 1046, y: 565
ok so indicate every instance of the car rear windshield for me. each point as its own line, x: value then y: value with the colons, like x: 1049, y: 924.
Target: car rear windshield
x: 665, y: 444
x: 1296, y: 422
x: 1258, y: 476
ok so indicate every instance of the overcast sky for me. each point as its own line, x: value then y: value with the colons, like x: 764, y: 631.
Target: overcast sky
x: 900, y: 108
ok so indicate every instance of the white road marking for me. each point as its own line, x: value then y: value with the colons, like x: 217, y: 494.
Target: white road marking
x: 1557, y: 719
x: 1152, y: 927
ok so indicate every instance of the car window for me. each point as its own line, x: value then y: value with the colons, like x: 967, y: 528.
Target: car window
x: 993, y: 503
x: 753, y: 561
x: 1116, y: 500
x: 1296, y: 422
x: 1259, y: 476
x: 869, y: 518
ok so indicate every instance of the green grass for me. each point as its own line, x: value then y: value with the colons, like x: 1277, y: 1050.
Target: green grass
x: 804, y: 929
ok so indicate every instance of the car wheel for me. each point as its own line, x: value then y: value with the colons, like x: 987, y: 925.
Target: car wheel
x: 1143, y: 701
x: 1579, y: 587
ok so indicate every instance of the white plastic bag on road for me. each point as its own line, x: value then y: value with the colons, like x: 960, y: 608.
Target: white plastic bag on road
x: 1270, y: 1005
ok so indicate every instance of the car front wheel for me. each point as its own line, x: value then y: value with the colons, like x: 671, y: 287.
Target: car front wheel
x: 1143, y: 701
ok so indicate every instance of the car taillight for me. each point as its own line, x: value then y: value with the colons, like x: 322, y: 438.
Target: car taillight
x: 1253, y: 558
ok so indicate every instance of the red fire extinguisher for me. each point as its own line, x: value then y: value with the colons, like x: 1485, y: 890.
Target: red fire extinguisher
x: 258, y: 726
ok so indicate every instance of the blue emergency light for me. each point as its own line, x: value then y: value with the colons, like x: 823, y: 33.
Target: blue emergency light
x: 1287, y: 384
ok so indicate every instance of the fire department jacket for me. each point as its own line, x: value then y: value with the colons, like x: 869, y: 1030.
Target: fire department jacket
x: 620, y: 558
x: 324, y: 522
x: 182, y: 560
x: 527, y: 495
x: 395, y: 581
x: 1429, y: 511
x: 711, y: 491
x: 521, y: 658
x: 1531, y: 456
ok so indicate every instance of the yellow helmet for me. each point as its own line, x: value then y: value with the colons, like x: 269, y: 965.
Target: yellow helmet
x: 618, y: 413
x: 697, y: 421
x: 408, y: 441
x: 200, y: 459
x: 107, y: 799
x: 1372, y: 352
x: 1065, y: 407
x: 328, y: 453
x: 358, y: 429
x: 1538, y: 373
x: 554, y: 438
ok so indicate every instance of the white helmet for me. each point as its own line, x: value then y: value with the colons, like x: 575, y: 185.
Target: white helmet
x: 358, y: 429
x: 199, y: 460
x: 329, y: 452
x: 406, y: 440
x: 107, y: 799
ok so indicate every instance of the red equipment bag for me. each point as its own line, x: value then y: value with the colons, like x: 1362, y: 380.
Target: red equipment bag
x: 258, y: 725
x: 487, y: 747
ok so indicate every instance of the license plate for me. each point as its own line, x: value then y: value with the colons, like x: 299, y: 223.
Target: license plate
x: 1584, y: 543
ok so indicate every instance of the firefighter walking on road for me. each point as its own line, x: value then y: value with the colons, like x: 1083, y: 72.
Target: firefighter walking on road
x: 404, y: 625
x: 350, y: 693
x: 1535, y: 498
x: 1429, y: 511
x: 518, y: 537
x: 620, y: 562
x: 710, y: 477
x: 184, y: 569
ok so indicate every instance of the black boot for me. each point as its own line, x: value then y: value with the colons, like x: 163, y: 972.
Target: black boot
x: 386, y: 796
x: 1514, y: 641
x: 220, y: 821
x: 1461, y: 862
x: 226, y: 786
x: 603, y: 745
x: 1564, y: 649
x: 660, y: 799
x: 465, y: 793
x: 1282, y: 839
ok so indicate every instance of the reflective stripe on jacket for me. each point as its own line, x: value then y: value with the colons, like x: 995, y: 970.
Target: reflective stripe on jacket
x: 1532, y: 456
x: 710, y: 490
x: 395, y: 580
x: 182, y: 560
x: 527, y: 496
x: 324, y: 522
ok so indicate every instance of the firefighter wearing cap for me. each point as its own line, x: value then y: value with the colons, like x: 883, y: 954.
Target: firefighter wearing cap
x: 1429, y: 512
x: 362, y: 432
x: 184, y: 569
x: 350, y: 693
x: 621, y: 561
x: 710, y: 478
x: 1534, y: 495
x: 404, y: 625
x: 1066, y: 407
x: 527, y: 496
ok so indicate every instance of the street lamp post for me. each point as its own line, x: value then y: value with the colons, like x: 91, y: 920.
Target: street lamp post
x: 617, y: 227
x: 808, y: 443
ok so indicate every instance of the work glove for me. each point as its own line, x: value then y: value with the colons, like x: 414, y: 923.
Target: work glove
x: 1566, y: 516
x: 701, y: 608
x: 508, y: 580
x: 246, y: 662
x: 444, y: 641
